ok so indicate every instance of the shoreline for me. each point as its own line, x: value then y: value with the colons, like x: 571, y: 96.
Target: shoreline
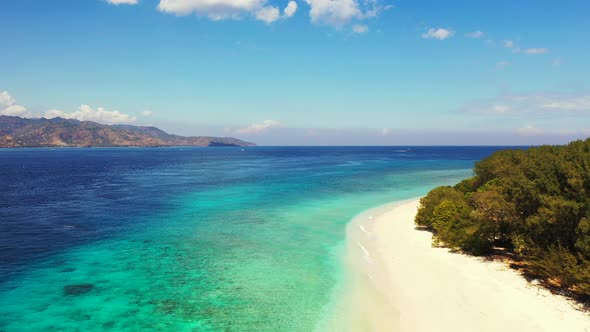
x: 396, y: 281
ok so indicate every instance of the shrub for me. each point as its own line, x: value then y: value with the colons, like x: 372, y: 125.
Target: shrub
x: 431, y: 200
x: 454, y: 226
x: 556, y: 264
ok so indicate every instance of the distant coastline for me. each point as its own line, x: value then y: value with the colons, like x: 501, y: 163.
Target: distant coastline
x: 17, y: 132
x: 73, y: 147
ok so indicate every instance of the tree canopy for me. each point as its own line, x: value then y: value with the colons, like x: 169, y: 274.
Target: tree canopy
x: 534, y: 202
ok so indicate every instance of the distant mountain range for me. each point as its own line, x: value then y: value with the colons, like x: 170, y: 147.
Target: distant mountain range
x: 58, y: 132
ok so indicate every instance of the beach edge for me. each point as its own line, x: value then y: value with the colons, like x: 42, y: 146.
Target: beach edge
x: 396, y: 278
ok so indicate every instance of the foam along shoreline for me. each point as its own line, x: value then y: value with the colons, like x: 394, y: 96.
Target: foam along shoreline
x: 398, y: 282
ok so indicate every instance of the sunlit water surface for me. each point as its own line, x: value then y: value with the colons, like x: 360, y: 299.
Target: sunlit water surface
x: 192, y: 239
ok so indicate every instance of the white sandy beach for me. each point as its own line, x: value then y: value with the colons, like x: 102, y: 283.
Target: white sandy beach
x: 399, y: 282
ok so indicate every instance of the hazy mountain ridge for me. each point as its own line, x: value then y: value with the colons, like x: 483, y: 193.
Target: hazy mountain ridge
x: 59, y: 132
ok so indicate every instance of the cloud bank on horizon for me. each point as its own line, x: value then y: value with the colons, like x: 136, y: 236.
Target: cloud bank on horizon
x: 534, y: 104
x: 87, y: 113
x: 9, y: 107
x: 528, y: 108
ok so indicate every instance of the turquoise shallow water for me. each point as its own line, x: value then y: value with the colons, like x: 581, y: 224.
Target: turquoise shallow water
x: 193, y: 240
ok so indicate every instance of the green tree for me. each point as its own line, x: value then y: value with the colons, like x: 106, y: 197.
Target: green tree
x: 535, y: 202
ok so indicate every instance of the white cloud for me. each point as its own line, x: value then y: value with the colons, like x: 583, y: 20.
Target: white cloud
x: 360, y: 28
x: 386, y: 132
x: 268, y: 14
x: 510, y: 44
x: 475, y: 34
x: 339, y: 13
x: 440, y: 34
x: 213, y: 9
x: 8, y: 106
x: 123, y: 2
x: 228, y: 9
x: 536, y: 51
x: 545, y: 104
x: 375, y: 8
x: 501, y: 108
x: 334, y: 12
x: 87, y: 113
x: 257, y: 128
x: 147, y: 113
x: 290, y: 10
x: 575, y: 103
x: 529, y: 130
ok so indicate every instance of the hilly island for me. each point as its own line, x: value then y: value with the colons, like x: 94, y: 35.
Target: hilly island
x: 59, y: 132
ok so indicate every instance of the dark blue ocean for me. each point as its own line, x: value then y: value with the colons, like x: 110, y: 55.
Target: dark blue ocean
x: 192, y: 239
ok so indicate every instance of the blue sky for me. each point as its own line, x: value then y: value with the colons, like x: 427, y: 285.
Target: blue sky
x: 320, y: 72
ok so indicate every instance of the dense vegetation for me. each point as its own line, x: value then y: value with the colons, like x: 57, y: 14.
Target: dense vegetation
x: 534, y: 203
